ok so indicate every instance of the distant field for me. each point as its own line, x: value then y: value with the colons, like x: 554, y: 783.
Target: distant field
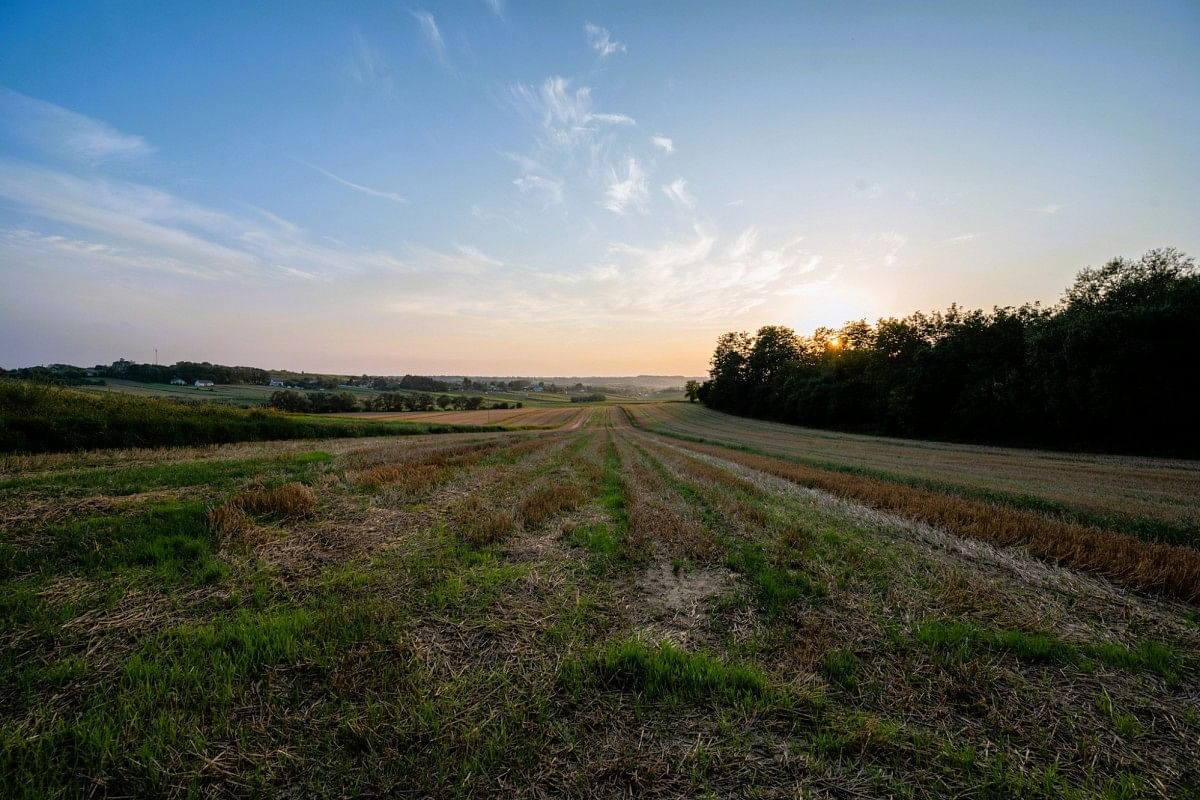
x: 35, y: 418
x: 246, y: 394
x: 227, y: 394
x: 566, y: 415
x: 592, y: 609
x: 1154, y: 494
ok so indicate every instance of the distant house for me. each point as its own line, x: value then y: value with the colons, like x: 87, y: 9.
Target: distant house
x: 203, y: 384
x: 276, y: 382
x: 178, y: 382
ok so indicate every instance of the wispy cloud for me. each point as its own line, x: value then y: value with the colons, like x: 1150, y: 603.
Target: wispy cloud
x: 627, y: 190
x: 476, y: 255
x: 366, y: 65
x: 690, y: 281
x: 867, y: 189
x: 147, y: 228
x: 1050, y: 208
x: 358, y: 187
x: 58, y: 132
x: 677, y: 192
x: 433, y: 36
x: 547, y: 190
x: 495, y: 6
x: 441, y: 266
x: 880, y: 250
x: 961, y: 239
x: 601, y: 41
x: 566, y: 116
x: 663, y: 143
x: 744, y: 243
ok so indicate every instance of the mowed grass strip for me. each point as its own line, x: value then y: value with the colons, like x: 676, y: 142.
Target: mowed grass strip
x: 1169, y: 570
x: 665, y: 673
x: 965, y: 638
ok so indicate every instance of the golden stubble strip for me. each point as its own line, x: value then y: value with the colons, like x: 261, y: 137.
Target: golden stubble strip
x: 657, y: 513
x: 1167, y: 570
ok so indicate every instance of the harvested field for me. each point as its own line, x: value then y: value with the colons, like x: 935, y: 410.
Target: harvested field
x: 1157, y: 496
x: 593, y: 611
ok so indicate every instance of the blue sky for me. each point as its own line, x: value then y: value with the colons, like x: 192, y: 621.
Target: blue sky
x: 567, y: 188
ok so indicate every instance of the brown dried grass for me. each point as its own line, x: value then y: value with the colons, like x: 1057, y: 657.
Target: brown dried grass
x: 291, y: 501
x: 549, y: 501
x: 478, y: 524
x: 657, y: 513
x: 1163, y: 569
x: 408, y: 478
x: 232, y: 526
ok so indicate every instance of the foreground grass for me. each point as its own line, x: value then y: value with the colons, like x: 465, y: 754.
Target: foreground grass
x: 573, y: 614
x: 41, y: 419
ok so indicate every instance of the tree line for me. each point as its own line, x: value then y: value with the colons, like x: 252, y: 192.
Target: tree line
x: 339, y: 402
x: 1111, y: 366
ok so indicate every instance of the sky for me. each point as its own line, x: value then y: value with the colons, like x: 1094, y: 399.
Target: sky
x: 504, y: 187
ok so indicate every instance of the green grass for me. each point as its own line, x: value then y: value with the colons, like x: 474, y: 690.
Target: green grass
x: 169, y: 538
x: 966, y: 638
x: 666, y: 673
x: 840, y: 668
x: 597, y: 538
x: 283, y: 468
x: 775, y: 588
x: 36, y: 418
x: 179, y: 688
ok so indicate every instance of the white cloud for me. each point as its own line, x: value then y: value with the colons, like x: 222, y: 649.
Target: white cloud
x: 59, y: 132
x: 880, y: 250
x: 575, y: 139
x: 433, y: 36
x: 678, y: 193
x: 663, y: 143
x: 685, y: 282
x: 143, y: 227
x: 566, y: 116
x: 547, y: 190
x: 395, y: 198
x: 116, y: 230
x: 601, y: 41
x: 1051, y: 208
x: 871, y: 191
x: 628, y: 190
x: 961, y: 239
x: 495, y: 6
x: 744, y: 243
x: 477, y: 256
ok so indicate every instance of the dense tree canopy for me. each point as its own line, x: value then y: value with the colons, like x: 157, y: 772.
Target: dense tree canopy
x: 1112, y: 366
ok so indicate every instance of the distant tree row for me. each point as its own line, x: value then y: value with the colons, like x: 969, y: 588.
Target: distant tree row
x: 327, y: 402
x: 594, y: 397
x: 60, y: 374
x: 189, y: 371
x: 1112, y: 366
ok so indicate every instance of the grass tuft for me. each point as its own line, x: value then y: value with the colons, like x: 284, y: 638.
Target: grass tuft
x: 479, y: 525
x: 666, y: 673
x: 549, y: 501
